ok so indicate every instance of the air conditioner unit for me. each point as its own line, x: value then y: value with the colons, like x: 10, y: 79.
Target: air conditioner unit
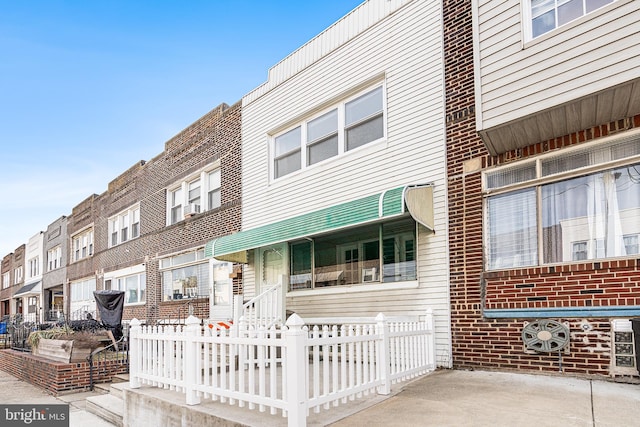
x: 369, y: 275
x: 191, y: 209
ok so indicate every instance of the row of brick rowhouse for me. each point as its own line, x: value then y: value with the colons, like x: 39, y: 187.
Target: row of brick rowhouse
x: 480, y: 159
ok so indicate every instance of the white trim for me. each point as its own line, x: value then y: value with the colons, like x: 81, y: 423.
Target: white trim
x: 349, y: 289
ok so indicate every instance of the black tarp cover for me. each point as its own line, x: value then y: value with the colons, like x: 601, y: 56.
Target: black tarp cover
x: 110, y: 305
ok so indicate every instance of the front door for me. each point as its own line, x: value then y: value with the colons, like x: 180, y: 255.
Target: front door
x: 221, y: 297
x: 273, y: 265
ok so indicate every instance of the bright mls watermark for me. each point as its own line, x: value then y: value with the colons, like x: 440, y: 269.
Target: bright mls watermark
x: 34, y: 415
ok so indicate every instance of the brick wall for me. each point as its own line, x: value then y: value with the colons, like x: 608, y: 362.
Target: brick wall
x: 214, y: 137
x: 55, y: 377
x: 479, y: 342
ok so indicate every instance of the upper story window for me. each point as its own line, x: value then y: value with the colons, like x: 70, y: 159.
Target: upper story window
x: 198, y: 193
x: 82, y: 245
x: 54, y: 258
x: 124, y: 226
x: 6, y: 280
x: 17, y: 275
x: 547, y: 15
x: 34, y: 267
x: 350, y: 124
x: 582, y: 204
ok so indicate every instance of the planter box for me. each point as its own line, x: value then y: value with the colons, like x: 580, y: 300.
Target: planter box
x: 61, y: 351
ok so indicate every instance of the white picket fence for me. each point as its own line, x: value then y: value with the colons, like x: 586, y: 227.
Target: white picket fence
x: 292, y: 370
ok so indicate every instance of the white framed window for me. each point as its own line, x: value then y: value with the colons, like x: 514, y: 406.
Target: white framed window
x: 82, y: 245
x: 54, y: 258
x: 34, y: 267
x: 196, y: 194
x: 185, y: 276
x: 377, y: 253
x: 350, y: 124
x: 579, y: 204
x: 543, y: 16
x: 631, y: 244
x: 124, y: 226
x: 17, y: 277
x: 6, y: 280
x: 134, y: 287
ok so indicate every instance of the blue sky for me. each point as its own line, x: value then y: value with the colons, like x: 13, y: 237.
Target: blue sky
x: 88, y: 88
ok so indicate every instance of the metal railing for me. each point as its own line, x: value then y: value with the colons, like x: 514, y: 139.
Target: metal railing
x: 105, y: 358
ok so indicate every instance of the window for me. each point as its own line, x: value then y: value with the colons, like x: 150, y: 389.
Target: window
x: 54, y: 258
x: 579, y: 252
x: 213, y: 190
x: 134, y: 287
x: 374, y: 253
x: 34, y: 267
x: 587, y: 216
x: 124, y: 226
x: 83, y: 290
x: 185, y: 276
x: 631, y: 245
x: 547, y: 15
x: 6, y: 280
x: 17, y: 275
x: 82, y: 245
x: 198, y: 193
x: 351, y: 124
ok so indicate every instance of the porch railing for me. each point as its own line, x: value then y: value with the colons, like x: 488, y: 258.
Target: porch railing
x: 264, y: 310
x: 103, y: 359
x: 290, y: 369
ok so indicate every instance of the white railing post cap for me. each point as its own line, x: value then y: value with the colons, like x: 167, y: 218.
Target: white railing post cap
x: 295, y: 321
x: 192, y: 320
x: 381, y: 317
x: 135, y: 322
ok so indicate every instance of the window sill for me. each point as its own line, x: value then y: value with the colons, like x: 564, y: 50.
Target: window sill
x: 349, y: 289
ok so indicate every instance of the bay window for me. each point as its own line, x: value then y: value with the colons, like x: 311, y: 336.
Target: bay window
x: 583, y: 214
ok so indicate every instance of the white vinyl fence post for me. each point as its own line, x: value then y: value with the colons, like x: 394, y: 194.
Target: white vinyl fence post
x: 431, y: 346
x: 382, y: 329
x: 135, y: 353
x: 297, y: 391
x: 191, y: 330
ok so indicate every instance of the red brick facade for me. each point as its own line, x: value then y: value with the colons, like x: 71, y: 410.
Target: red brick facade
x: 481, y: 342
x: 214, y: 137
x: 55, y: 377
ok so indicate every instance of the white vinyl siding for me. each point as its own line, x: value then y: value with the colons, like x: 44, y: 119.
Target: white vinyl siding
x: 403, y: 52
x: 517, y: 78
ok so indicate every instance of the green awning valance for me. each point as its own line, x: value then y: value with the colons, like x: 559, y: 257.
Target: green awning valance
x: 360, y: 211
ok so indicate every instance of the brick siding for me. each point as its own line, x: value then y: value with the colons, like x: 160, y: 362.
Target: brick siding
x: 56, y: 377
x: 479, y: 342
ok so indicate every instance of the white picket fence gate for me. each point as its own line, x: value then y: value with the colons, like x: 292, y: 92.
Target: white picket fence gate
x: 293, y: 369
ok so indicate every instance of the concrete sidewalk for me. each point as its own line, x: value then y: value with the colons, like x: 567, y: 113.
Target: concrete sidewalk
x: 480, y: 398
x: 443, y: 398
x: 13, y: 390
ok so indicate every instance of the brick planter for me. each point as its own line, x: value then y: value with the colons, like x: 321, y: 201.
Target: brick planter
x: 56, y: 377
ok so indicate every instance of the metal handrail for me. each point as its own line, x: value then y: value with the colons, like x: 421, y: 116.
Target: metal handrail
x: 122, y: 345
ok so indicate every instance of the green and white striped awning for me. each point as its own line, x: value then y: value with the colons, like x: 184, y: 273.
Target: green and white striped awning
x: 372, y: 208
